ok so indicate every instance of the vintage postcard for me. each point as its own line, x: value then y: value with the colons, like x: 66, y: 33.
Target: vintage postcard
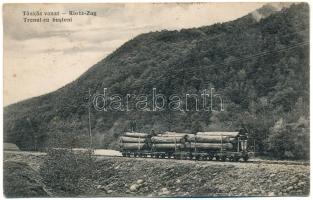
x: 156, y: 100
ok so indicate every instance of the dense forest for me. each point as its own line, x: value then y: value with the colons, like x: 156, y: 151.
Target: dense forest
x: 259, y: 66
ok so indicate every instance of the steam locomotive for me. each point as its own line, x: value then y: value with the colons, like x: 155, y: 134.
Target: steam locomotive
x: 221, y: 146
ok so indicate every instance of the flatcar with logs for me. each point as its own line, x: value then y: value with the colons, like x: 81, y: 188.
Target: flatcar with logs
x: 220, y: 146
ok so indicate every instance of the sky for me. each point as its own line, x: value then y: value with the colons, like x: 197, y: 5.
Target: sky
x: 42, y: 57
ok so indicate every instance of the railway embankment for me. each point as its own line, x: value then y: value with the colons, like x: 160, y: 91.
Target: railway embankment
x: 163, y: 177
x: 147, y: 177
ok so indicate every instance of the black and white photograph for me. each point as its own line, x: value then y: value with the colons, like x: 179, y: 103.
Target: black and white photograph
x: 158, y: 99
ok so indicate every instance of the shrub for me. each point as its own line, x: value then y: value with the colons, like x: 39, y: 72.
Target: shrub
x: 69, y: 172
x: 289, y: 141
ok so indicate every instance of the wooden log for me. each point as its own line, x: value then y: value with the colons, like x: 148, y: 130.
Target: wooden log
x: 230, y: 134
x: 208, y: 139
x: 125, y: 139
x: 133, y: 146
x: 168, y: 146
x: 171, y: 134
x: 211, y: 146
x: 136, y: 135
x: 172, y: 139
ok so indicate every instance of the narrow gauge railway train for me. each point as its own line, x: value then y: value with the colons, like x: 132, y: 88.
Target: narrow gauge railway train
x: 231, y: 146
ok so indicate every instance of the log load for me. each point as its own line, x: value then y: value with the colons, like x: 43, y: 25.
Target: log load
x: 230, y: 134
x: 209, y: 139
x: 133, y: 146
x: 124, y: 139
x: 172, y: 139
x: 136, y: 135
x: 168, y: 146
x: 171, y: 134
x: 211, y: 146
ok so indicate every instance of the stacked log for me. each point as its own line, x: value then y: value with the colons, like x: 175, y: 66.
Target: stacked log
x: 136, y: 135
x: 169, y: 141
x: 211, y: 146
x: 168, y: 146
x: 212, y: 140
x: 171, y: 134
x: 229, y: 134
x: 125, y: 139
x: 209, y: 139
x: 134, y: 141
x: 133, y: 146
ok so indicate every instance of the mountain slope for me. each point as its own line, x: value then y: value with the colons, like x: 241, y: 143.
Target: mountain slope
x: 259, y: 67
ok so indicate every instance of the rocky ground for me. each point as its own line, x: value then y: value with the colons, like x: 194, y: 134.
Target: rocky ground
x: 149, y: 177
x: 118, y: 176
x: 21, y: 177
x: 21, y: 180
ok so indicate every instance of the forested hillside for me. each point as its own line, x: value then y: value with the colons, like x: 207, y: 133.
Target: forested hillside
x: 259, y: 66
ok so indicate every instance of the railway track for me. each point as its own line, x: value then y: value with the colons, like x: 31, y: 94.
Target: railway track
x: 251, y: 161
